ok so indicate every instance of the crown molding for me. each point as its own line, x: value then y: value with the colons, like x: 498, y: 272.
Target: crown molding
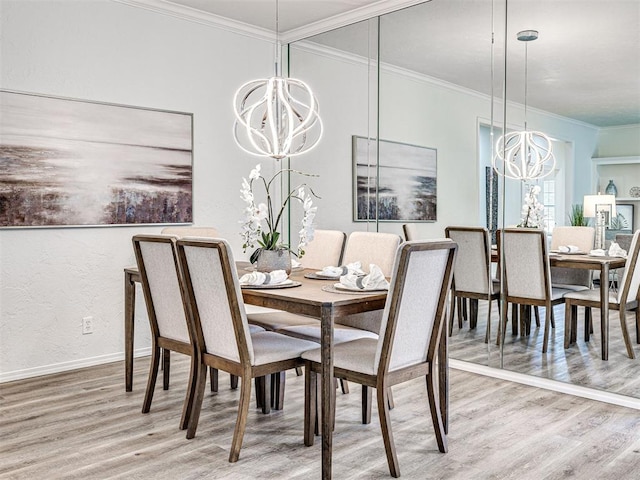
x: 182, y: 12
x: 353, y: 16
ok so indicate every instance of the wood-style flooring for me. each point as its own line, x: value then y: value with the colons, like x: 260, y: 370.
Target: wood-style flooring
x: 581, y: 364
x: 82, y: 425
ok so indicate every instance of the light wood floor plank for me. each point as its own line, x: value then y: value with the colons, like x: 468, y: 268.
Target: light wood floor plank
x: 82, y: 425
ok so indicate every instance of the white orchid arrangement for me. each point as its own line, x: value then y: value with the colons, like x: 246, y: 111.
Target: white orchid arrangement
x: 252, y: 231
x: 532, y: 209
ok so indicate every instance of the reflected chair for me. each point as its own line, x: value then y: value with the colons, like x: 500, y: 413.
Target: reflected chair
x: 527, y: 276
x: 161, y: 285
x: 220, y: 332
x: 410, y: 232
x: 626, y: 298
x: 472, y: 273
x: 410, y: 332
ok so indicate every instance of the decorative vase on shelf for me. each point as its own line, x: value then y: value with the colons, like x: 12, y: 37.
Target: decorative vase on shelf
x: 611, y: 189
x: 270, y: 260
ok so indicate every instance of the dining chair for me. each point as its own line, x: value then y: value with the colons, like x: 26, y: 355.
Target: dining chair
x: 472, y: 273
x: 581, y: 237
x: 410, y: 231
x: 410, y: 332
x: 626, y: 298
x: 325, y: 250
x: 220, y: 331
x: 527, y: 276
x: 161, y: 286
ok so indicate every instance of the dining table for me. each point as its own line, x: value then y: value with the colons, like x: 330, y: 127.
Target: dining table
x: 585, y: 261
x: 313, y: 297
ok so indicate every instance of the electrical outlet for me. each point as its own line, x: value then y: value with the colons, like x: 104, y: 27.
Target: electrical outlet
x: 87, y: 325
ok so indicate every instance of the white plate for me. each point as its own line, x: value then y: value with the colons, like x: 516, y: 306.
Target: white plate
x: 286, y: 284
x: 579, y: 252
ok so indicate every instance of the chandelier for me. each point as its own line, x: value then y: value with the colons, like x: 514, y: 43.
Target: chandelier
x: 524, y: 155
x: 276, y: 117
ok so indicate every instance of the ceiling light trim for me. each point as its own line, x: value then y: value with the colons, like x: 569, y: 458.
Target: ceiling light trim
x: 182, y: 12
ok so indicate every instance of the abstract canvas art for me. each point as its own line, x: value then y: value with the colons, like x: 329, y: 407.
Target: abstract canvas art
x: 403, y: 188
x: 67, y: 162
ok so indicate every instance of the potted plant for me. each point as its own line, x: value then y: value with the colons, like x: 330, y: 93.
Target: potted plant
x: 271, y: 253
x: 576, y: 216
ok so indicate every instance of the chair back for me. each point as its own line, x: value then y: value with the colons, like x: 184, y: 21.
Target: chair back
x: 372, y: 247
x: 526, y: 263
x: 415, y: 308
x: 630, y: 282
x: 624, y: 240
x: 202, y: 232
x: 410, y: 232
x: 325, y: 250
x: 581, y: 237
x: 473, y: 260
x: 161, y: 285
x: 211, y: 285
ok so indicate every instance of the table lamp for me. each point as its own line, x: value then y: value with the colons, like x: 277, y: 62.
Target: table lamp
x: 602, y: 208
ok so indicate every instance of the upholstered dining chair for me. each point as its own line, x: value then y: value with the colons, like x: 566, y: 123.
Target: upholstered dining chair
x: 626, y: 298
x: 220, y: 331
x: 410, y: 232
x: 326, y: 249
x: 472, y: 273
x: 527, y: 275
x: 409, y: 336
x: 161, y: 285
x: 583, y: 238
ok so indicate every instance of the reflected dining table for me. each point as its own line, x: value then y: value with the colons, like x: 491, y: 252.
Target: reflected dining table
x: 314, y: 298
x: 603, y: 264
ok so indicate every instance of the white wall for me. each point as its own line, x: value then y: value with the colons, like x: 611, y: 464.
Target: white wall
x: 621, y: 141
x: 106, y: 51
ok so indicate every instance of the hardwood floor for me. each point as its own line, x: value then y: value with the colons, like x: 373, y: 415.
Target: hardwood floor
x: 581, y: 364
x: 83, y: 425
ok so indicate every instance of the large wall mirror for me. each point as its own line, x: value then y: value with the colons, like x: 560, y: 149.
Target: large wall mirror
x: 429, y: 78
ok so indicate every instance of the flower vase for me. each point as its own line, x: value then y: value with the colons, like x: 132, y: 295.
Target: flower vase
x: 270, y: 260
x: 611, y: 189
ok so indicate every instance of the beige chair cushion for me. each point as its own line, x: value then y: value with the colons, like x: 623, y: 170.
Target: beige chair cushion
x: 358, y: 355
x: 277, y: 320
x: 341, y: 333
x: 269, y: 347
x: 591, y: 296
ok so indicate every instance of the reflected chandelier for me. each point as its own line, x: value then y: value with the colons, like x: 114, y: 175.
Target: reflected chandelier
x: 276, y: 117
x: 524, y: 155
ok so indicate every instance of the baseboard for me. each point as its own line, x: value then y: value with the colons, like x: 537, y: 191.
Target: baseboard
x: 547, y: 384
x: 66, y: 366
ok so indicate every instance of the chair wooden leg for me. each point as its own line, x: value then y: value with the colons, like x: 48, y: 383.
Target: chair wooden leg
x: 638, y: 324
x: 473, y: 313
x: 547, y: 324
x: 344, y: 385
x: 310, y: 405
x: 625, y: 333
x: 465, y: 315
x: 151, y: 381
x: 436, y: 414
x: 233, y: 380
x: 536, y: 311
x: 213, y: 373
x: 460, y: 312
x: 574, y: 323
x: 166, y: 362
x: 260, y: 391
x: 514, y: 318
x: 243, y: 413
x: 392, y: 405
x: 588, y: 324
x: 198, y: 395
x: 191, y: 388
x: 452, y: 312
x: 366, y: 405
x: 487, y: 334
x: 387, y: 434
x: 277, y: 390
x: 567, y: 324
x: 553, y: 319
x: 502, y: 326
x: 266, y: 400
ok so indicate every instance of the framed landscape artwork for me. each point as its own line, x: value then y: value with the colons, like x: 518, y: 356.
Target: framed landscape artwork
x: 402, y: 188
x: 66, y: 162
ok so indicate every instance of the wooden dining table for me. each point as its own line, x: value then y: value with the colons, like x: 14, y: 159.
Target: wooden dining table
x: 583, y: 261
x: 316, y: 299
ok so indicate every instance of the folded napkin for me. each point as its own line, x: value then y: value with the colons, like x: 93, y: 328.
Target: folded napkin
x: 261, y: 278
x: 349, y: 269
x: 616, y: 251
x: 598, y: 252
x: 374, y: 281
x: 568, y: 249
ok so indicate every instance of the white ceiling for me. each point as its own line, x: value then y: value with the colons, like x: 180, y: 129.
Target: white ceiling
x: 585, y: 65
